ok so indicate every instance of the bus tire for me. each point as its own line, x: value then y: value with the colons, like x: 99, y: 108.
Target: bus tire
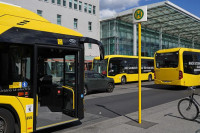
x: 123, y: 80
x: 17, y: 130
x: 7, y: 121
x: 150, y: 77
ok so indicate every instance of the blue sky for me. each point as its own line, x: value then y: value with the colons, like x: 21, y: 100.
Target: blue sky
x: 109, y: 8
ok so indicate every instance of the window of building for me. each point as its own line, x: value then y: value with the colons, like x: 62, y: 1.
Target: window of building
x: 58, y: 2
x: 89, y: 45
x: 70, y: 3
x: 89, y: 8
x: 53, y: 1
x: 90, y: 26
x: 64, y: 3
x: 59, y: 19
x: 85, y: 7
x: 75, y: 23
x: 39, y: 12
x: 94, y: 9
x: 75, y: 4
x: 80, y: 6
x: 45, y: 0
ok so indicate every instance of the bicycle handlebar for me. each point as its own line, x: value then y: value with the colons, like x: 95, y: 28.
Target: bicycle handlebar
x: 194, y: 90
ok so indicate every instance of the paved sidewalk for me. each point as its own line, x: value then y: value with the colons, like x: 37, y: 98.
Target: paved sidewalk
x: 159, y: 119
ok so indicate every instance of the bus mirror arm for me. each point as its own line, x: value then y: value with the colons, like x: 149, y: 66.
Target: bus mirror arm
x: 93, y: 41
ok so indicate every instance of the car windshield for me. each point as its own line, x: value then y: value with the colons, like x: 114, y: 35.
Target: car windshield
x: 167, y: 60
x: 100, y: 66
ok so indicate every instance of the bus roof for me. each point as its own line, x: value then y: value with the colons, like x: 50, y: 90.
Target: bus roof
x: 14, y: 16
x: 122, y: 56
x: 177, y: 49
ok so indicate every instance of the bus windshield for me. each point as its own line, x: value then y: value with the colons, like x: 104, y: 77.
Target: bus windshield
x: 167, y: 60
x: 100, y: 66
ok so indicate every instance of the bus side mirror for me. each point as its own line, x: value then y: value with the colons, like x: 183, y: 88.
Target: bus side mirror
x: 93, y: 41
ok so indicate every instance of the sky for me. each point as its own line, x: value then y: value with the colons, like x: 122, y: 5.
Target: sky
x: 109, y: 8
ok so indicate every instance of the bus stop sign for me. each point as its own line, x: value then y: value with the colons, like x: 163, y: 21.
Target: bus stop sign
x: 140, y: 14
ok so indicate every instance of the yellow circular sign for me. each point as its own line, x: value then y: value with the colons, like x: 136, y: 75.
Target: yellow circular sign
x: 138, y: 14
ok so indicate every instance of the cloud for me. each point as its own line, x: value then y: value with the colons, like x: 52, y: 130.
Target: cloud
x: 107, y: 13
x: 110, y: 7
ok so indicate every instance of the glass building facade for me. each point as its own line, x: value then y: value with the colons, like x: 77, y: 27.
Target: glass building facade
x: 117, y: 37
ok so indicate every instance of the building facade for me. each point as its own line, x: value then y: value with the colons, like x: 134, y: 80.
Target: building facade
x: 79, y: 15
x: 119, y: 34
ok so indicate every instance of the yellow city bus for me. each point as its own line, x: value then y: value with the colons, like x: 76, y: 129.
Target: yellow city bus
x: 177, y: 66
x: 41, y: 72
x: 124, y: 68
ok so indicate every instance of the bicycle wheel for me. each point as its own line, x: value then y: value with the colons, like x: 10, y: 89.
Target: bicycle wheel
x: 188, y: 109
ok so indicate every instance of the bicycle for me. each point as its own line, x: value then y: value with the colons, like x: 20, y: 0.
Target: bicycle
x: 188, y: 107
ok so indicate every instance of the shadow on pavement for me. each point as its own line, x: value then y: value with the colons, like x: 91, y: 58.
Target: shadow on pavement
x: 126, y: 83
x: 197, y: 131
x: 97, y: 92
x: 143, y: 81
x: 102, y: 106
x: 179, y: 117
x: 165, y: 87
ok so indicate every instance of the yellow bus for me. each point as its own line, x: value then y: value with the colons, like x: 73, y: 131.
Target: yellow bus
x: 41, y: 72
x: 177, y: 66
x: 124, y: 68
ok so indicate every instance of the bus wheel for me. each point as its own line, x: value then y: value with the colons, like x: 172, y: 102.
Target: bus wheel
x: 6, y: 121
x: 123, y: 80
x: 150, y: 78
x: 85, y: 90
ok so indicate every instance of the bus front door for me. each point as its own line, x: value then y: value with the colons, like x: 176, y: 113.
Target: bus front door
x: 56, y: 87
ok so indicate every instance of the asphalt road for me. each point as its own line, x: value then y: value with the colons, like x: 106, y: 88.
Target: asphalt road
x: 123, y: 100
x: 123, y: 104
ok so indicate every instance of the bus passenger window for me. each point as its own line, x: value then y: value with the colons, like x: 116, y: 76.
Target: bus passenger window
x: 191, y: 62
x: 15, y: 73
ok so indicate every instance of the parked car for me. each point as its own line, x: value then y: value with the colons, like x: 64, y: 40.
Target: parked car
x: 95, y: 81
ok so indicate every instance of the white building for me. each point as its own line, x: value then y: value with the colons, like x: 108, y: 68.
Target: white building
x: 79, y: 15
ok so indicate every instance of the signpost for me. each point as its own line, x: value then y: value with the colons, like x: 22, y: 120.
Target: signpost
x: 140, y: 15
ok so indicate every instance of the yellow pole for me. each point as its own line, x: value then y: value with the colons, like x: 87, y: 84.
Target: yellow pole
x: 139, y: 74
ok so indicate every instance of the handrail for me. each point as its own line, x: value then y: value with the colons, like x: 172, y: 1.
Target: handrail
x: 69, y: 88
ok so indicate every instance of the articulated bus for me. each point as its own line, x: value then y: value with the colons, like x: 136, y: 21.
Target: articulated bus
x: 36, y: 57
x: 177, y: 66
x: 124, y: 68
